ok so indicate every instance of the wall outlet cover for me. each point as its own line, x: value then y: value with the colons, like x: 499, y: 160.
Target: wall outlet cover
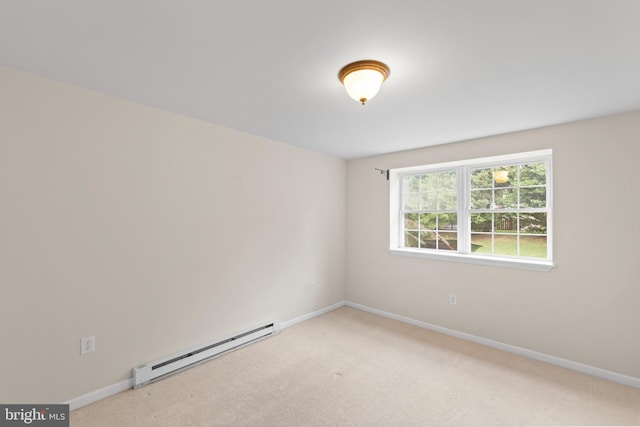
x: 87, y: 345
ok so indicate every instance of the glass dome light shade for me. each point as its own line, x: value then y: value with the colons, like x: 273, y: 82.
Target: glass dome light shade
x: 362, y: 85
x: 362, y: 79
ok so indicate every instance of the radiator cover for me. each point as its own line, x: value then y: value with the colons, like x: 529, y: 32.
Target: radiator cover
x: 162, y: 367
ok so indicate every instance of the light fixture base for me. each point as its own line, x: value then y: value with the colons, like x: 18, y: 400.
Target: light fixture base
x: 366, y: 64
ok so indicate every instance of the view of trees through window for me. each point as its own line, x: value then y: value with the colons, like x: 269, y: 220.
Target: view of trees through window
x: 508, y: 210
x: 505, y: 214
x: 431, y: 206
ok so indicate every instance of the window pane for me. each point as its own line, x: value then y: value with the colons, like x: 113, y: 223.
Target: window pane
x: 506, y: 198
x: 428, y: 201
x: 410, y: 184
x: 533, y: 174
x: 533, y: 246
x: 411, y: 239
x: 447, y: 241
x: 482, y: 178
x: 505, y: 245
x: 481, y: 244
x: 430, y: 182
x: 481, y: 222
x: 428, y: 240
x: 533, y: 223
x: 448, y: 221
x: 447, y: 200
x: 506, y: 223
x: 481, y: 199
x: 429, y: 194
x: 428, y: 221
x: 411, y: 221
x: 533, y: 197
x: 505, y: 176
x: 448, y: 181
x: 411, y: 201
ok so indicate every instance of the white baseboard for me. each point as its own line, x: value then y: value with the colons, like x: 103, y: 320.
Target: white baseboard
x: 107, y: 391
x: 96, y: 395
x: 308, y: 316
x: 553, y: 360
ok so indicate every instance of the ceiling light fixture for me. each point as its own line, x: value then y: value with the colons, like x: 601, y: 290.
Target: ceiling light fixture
x: 363, y: 79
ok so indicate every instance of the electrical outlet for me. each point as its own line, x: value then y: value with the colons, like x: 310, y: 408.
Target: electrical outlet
x: 87, y: 345
x: 453, y: 300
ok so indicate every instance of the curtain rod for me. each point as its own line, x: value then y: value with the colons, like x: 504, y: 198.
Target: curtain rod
x: 383, y: 172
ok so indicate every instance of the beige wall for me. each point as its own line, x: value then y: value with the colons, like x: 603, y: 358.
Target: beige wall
x: 586, y: 309
x: 151, y: 231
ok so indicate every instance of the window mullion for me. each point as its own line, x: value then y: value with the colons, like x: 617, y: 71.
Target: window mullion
x: 464, y: 217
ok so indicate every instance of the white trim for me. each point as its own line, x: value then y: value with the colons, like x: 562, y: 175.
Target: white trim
x: 113, y: 389
x: 553, y: 360
x: 100, y: 394
x: 394, y: 210
x: 316, y: 313
x: 520, y: 263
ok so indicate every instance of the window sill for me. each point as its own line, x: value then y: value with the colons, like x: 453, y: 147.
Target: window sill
x: 523, y: 264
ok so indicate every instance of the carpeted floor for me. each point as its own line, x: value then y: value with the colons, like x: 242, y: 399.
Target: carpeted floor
x: 352, y: 368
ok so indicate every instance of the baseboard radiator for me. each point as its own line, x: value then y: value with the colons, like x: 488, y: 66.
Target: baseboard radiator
x: 159, y: 368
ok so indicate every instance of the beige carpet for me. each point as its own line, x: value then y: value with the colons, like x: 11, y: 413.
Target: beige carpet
x: 351, y: 368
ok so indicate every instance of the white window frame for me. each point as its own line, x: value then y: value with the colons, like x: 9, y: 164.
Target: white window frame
x: 463, y: 253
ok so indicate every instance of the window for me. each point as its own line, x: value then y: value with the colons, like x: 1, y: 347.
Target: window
x: 494, y: 210
x: 430, y: 210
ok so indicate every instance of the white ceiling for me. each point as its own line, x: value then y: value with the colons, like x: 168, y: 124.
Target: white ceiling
x: 459, y: 68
